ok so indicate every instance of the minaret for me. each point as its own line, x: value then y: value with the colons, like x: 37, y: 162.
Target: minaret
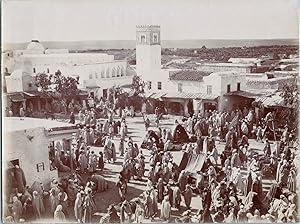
x: 148, y: 50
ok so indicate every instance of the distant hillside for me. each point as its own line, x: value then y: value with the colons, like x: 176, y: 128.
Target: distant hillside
x: 130, y: 44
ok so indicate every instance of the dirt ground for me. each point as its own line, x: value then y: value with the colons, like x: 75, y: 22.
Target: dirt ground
x: 137, y: 131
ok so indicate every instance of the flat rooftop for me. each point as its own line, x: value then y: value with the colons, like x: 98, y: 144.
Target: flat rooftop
x: 11, y: 124
x: 223, y: 64
x: 65, y: 55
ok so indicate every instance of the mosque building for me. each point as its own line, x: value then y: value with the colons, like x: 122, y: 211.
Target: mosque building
x: 95, y: 70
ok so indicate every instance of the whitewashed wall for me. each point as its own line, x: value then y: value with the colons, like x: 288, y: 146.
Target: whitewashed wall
x: 30, y: 153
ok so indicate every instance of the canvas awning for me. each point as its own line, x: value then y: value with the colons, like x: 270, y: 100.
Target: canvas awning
x: 15, y: 97
x: 93, y: 86
x: 243, y: 94
x: 158, y: 95
x: 195, y: 163
x: 184, y: 95
x: 32, y: 94
x: 148, y: 95
x: 192, y: 163
x: 273, y: 101
x: 29, y: 94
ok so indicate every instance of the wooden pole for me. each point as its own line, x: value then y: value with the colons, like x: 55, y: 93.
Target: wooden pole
x: 73, y: 148
x: 273, y: 125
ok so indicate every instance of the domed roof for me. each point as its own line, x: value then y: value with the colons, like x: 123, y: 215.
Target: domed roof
x: 35, y: 45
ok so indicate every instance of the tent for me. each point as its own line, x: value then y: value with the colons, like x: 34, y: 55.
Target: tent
x: 149, y: 135
x: 179, y: 134
x: 184, y: 161
x: 191, y: 162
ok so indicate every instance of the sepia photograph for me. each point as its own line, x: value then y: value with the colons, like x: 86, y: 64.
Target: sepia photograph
x: 153, y: 111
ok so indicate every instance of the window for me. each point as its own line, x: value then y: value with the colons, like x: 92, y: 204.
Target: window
x: 6, y: 70
x: 149, y: 85
x: 238, y: 88
x: 40, y: 167
x: 48, y: 70
x: 228, y: 88
x: 29, y: 85
x: 96, y: 75
x: 143, y: 39
x: 179, y: 87
x: 33, y: 70
x: 155, y: 38
x: 159, y: 86
x: 209, y: 89
x: 91, y: 76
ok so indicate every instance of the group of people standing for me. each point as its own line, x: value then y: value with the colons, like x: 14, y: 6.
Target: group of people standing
x: 228, y: 187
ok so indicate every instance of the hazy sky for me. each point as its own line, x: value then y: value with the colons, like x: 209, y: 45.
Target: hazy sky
x: 54, y: 20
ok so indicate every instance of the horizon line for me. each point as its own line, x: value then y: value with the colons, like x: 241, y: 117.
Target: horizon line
x: 21, y: 42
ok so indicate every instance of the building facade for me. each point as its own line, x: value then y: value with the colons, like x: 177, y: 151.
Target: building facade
x: 87, y: 66
x: 221, y: 67
x: 33, y: 137
x: 148, y: 49
x: 198, y: 88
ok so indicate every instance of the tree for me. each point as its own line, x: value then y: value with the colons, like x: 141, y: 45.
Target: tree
x: 42, y: 81
x: 137, y: 85
x: 66, y: 86
x: 290, y: 94
x: 56, y: 85
x: 121, y: 97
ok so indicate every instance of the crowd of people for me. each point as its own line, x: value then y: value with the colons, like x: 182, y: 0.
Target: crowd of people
x: 227, y: 188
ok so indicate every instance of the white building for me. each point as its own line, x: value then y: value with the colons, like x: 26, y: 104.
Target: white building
x: 148, y: 49
x: 93, y: 68
x: 188, y: 81
x: 217, y: 83
x: 202, y: 86
x: 26, y: 143
x: 148, y: 57
x: 220, y: 83
x: 209, y: 85
x: 19, y: 81
x: 255, y: 61
x: 220, y: 67
x: 275, y: 80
